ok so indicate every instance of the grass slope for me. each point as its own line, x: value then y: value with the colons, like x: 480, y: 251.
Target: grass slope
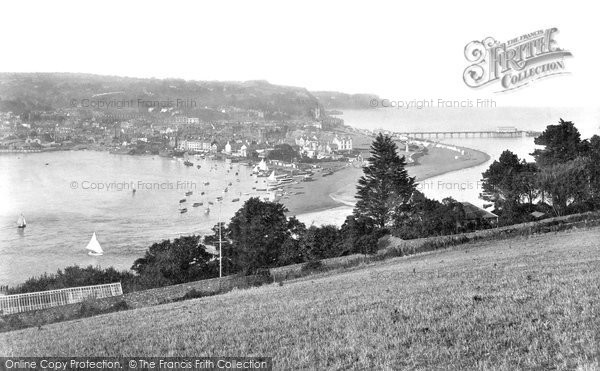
x: 513, y: 304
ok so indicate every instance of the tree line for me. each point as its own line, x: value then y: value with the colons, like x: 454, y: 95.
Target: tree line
x: 564, y: 179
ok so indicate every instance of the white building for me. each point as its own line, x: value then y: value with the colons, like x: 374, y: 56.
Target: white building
x: 191, y: 145
x: 343, y: 144
x: 180, y: 120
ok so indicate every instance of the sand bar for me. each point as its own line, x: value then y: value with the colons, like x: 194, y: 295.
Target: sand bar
x: 339, y: 188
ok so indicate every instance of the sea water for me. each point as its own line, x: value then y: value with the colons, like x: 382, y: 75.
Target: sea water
x: 67, y: 196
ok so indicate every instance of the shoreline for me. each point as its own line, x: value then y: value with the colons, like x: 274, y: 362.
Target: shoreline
x: 339, y: 188
x: 320, y: 198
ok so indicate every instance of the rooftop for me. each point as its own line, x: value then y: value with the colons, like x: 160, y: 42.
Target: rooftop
x: 474, y: 212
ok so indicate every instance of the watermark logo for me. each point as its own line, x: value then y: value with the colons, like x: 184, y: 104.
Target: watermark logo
x: 516, y: 62
x: 98, y: 103
x: 444, y: 185
x: 133, y: 185
x: 431, y: 103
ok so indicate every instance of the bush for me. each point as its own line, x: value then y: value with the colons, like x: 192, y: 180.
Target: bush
x: 89, y: 308
x: 313, y: 265
x: 169, y: 263
x: 15, y: 323
x: 266, y: 273
x: 192, y: 294
x: 92, y: 307
x: 119, y: 306
x: 368, y: 244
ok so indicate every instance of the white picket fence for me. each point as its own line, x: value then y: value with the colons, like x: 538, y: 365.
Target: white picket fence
x: 47, y: 299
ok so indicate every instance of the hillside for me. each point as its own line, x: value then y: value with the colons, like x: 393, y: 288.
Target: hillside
x: 21, y: 92
x: 336, y: 100
x: 509, y: 304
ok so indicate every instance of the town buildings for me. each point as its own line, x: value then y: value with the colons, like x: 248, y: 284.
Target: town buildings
x: 313, y: 147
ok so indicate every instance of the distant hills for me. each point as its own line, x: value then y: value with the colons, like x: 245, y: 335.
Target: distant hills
x: 21, y: 92
x: 335, y: 100
x: 24, y: 92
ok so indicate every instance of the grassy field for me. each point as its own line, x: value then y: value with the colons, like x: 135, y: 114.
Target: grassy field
x: 523, y: 303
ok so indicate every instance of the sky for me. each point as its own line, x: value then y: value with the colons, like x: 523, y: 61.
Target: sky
x: 397, y: 50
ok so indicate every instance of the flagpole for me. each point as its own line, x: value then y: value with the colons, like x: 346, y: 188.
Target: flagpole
x: 220, y: 245
x: 220, y: 242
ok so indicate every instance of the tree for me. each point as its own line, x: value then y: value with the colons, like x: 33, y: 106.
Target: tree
x: 427, y: 217
x: 385, y: 186
x: 570, y: 168
x: 508, y: 182
x: 565, y: 184
x: 168, y: 263
x: 283, y: 152
x: 291, y: 252
x: 228, y: 253
x: 454, y: 215
x: 359, y: 234
x: 257, y: 232
x: 320, y: 242
x: 527, y: 182
x: 593, y: 169
x: 562, y: 144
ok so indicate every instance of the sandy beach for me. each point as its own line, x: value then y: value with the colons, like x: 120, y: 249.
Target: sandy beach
x: 338, y: 190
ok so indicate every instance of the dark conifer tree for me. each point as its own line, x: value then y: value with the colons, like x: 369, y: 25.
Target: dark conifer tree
x: 385, y: 188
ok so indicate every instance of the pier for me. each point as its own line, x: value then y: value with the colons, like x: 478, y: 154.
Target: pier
x: 468, y: 134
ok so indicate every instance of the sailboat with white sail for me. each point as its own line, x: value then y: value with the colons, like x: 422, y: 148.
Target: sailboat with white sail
x: 21, y: 223
x: 93, y: 247
x: 274, y: 182
x: 262, y: 166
